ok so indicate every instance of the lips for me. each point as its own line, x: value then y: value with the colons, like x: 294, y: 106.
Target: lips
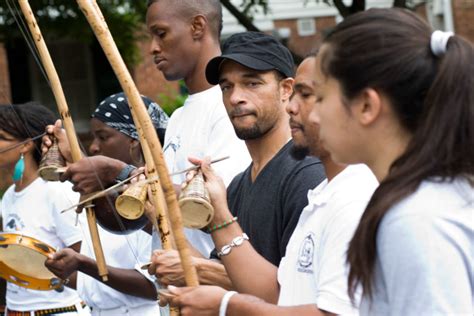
x: 158, y: 61
x: 295, y: 125
x: 240, y: 113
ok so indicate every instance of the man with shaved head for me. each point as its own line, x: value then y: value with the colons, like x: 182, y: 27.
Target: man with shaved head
x: 184, y: 37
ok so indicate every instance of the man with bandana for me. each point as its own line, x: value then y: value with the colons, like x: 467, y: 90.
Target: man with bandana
x: 128, y: 290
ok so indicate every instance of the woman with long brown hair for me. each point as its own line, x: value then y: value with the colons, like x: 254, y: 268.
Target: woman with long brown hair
x: 399, y: 97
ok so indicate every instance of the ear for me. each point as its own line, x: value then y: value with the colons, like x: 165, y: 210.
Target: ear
x: 27, y: 147
x: 134, y: 143
x: 368, y: 106
x: 286, y: 88
x: 198, y: 27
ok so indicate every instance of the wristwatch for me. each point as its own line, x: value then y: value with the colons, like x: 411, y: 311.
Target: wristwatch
x: 125, y: 173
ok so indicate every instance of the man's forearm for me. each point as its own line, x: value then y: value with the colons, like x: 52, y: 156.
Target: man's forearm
x: 127, y: 281
x: 248, y: 271
x: 212, y: 272
x: 250, y: 306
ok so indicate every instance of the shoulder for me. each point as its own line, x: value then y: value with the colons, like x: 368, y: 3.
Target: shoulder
x: 434, y: 199
x: 355, y: 182
x: 236, y: 181
x: 291, y: 167
x: 60, y: 191
x: 8, y: 193
x: 436, y: 214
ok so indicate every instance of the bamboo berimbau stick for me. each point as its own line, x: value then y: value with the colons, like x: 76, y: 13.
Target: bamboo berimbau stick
x: 160, y: 218
x: 117, y: 63
x: 67, y: 121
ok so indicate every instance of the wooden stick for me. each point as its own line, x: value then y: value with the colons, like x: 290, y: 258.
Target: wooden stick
x: 117, y: 63
x: 67, y: 122
x: 160, y: 218
x: 103, y: 193
x: 120, y: 184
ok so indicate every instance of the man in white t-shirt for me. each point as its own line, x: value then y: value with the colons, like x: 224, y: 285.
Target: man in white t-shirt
x: 185, y: 36
x: 312, y: 277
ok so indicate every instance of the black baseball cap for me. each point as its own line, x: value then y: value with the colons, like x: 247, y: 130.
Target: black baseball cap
x: 254, y: 50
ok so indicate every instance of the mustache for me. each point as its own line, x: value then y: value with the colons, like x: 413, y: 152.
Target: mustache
x: 294, y: 124
x: 239, y: 112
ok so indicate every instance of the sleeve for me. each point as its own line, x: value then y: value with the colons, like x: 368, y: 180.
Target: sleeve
x: 223, y: 142
x: 426, y: 263
x: 63, y: 197
x: 332, y: 270
x: 295, y: 192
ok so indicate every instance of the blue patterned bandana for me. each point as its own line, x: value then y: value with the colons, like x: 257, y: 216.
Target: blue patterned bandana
x: 115, y: 112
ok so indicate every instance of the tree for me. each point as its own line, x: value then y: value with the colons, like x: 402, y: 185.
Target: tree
x: 64, y: 19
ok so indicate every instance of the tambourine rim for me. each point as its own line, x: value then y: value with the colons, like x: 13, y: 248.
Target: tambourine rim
x: 41, y: 284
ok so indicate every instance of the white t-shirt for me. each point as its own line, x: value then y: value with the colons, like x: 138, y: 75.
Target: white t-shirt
x: 201, y: 127
x: 314, y: 269
x: 121, y: 251
x: 35, y: 212
x: 425, y: 254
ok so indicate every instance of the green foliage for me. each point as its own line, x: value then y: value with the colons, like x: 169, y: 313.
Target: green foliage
x: 170, y: 101
x: 62, y: 19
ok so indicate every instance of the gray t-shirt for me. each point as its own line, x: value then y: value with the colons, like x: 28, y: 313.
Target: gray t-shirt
x: 425, y: 251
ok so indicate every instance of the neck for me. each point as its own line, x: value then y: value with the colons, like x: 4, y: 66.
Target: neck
x: 196, y: 80
x: 331, y: 168
x: 385, y: 155
x: 263, y: 149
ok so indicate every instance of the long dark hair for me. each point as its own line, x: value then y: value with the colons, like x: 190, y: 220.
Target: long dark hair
x: 433, y: 97
x: 26, y: 120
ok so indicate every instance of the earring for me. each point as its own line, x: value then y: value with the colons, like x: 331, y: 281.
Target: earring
x: 19, y: 169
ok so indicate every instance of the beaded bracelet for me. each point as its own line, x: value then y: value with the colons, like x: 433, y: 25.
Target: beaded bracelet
x: 224, y: 224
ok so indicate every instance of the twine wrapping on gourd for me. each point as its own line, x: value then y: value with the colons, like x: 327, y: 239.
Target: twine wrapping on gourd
x: 194, y: 201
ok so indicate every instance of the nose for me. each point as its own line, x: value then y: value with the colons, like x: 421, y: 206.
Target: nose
x: 94, y: 148
x: 236, y: 96
x: 292, y: 107
x: 154, y: 46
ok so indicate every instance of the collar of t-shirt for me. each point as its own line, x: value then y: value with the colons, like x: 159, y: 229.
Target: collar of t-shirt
x: 325, y: 190
x: 29, y: 188
x: 213, y: 93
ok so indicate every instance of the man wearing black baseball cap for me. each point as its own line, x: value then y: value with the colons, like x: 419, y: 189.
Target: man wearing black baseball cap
x: 255, y: 75
x: 254, y: 50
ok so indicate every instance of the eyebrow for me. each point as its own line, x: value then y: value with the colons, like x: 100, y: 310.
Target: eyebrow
x: 301, y: 85
x: 247, y: 75
x: 154, y: 28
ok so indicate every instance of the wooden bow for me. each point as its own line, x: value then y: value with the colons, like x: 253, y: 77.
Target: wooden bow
x: 67, y: 122
x: 145, y: 127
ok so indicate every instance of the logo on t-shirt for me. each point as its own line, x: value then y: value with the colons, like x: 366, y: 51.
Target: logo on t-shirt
x: 14, y: 223
x: 305, y: 257
x: 174, y: 144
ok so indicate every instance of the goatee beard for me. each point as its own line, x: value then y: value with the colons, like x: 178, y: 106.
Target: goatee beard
x: 299, y: 152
